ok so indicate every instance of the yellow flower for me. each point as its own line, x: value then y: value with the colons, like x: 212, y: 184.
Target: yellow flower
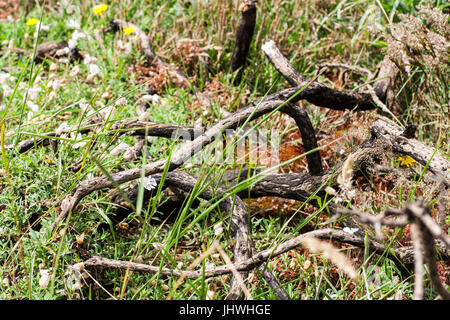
x: 98, y: 10
x: 128, y: 30
x: 406, y: 161
x: 32, y: 22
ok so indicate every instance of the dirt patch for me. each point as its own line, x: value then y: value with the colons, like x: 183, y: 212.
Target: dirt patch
x: 8, y: 8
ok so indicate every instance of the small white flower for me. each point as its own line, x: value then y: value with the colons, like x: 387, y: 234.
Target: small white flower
x: 30, y: 115
x: 84, y: 106
x: 45, y: 278
x: 149, y: 183
x: 79, y: 144
x: 350, y: 230
x: 94, y: 69
x: 41, y: 26
x: 4, y: 76
x: 158, y: 246
x: 62, y: 51
x: 53, y: 67
x: 72, y: 43
x: 122, y: 147
x: 218, y: 229
x: 6, y: 90
x: 78, y: 35
x: 209, y: 265
x: 330, y: 190
x: 120, y: 102
x: 351, y: 193
x: 155, y: 99
x: 337, y: 200
x: 56, y: 85
x: 331, y: 294
x: 72, y: 24
x: 75, y: 71
x: 89, y: 60
x: 210, y: 295
x: 33, y: 93
x: 33, y: 106
x: 63, y: 128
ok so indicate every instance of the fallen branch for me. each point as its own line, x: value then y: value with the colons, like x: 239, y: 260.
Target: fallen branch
x: 178, y: 158
x: 245, y: 265
x: 132, y: 127
x: 319, y: 94
x: 244, y: 34
x: 420, y: 152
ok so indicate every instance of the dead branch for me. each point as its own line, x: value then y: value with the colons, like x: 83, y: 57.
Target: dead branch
x: 53, y: 50
x: 416, y: 237
x: 234, y: 206
x: 179, y: 157
x: 420, y: 152
x: 132, y: 127
x: 319, y: 94
x: 245, y: 265
x: 244, y: 34
x: 423, y: 231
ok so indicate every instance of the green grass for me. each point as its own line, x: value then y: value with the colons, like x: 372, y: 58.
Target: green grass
x: 33, y: 184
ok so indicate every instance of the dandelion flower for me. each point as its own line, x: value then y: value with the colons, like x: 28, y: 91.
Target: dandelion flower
x: 406, y: 161
x: 98, y: 10
x: 32, y: 22
x: 128, y: 30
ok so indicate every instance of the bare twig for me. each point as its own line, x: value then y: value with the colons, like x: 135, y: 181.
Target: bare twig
x: 416, y: 237
x: 244, y: 265
x: 328, y: 97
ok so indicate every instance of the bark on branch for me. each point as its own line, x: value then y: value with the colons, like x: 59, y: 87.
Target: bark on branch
x: 244, y: 34
x: 86, y: 187
x: 320, y: 95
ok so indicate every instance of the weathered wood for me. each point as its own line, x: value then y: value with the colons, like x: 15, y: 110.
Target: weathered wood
x: 240, y: 225
x: 54, y: 50
x: 256, y: 259
x: 420, y: 152
x: 132, y: 127
x: 320, y: 95
x: 179, y: 157
x: 244, y: 35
